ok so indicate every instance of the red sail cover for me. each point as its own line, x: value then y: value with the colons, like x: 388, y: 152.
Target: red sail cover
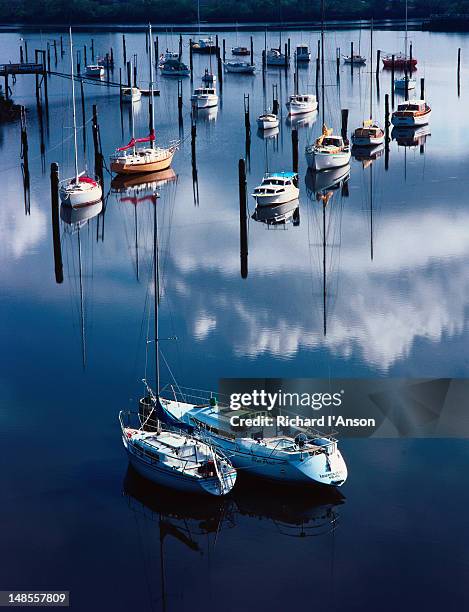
x: 134, y: 141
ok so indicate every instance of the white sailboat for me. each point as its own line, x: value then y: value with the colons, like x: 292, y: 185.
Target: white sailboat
x: 329, y: 150
x: 370, y: 133
x: 306, y: 458
x: 170, y: 455
x: 406, y: 82
x: 82, y: 189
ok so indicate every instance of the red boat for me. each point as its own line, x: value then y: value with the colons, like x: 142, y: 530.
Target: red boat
x: 401, y: 62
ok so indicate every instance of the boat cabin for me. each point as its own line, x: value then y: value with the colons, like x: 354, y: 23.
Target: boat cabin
x: 302, y: 52
x: 204, y: 91
x: 302, y: 98
x: 412, y: 107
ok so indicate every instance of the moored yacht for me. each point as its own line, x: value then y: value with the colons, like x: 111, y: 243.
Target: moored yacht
x: 303, y: 459
x: 240, y: 51
x: 131, y: 94
x: 204, y: 45
x: 276, y: 188
x: 174, y: 67
x: 329, y: 151
x: 80, y: 190
x: 405, y: 82
x: 267, y: 121
x: 239, y: 67
x: 94, y: 70
x: 134, y: 159
x: 301, y: 103
x: 275, y: 57
x: 204, y: 97
x: 411, y: 113
x: 302, y: 53
x: 356, y: 59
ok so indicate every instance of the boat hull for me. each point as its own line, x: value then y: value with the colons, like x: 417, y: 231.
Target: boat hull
x: 78, y: 199
x: 276, y: 198
x: 367, y: 141
x: 411, y: 121
x: 267, y: 125
x: 326, y: 161
x: 124, y: 167
x: 301, y: 109
x: 204, y: 102
x: 173, y: 479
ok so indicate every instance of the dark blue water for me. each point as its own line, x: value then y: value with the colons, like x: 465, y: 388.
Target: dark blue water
x: 71, y: 516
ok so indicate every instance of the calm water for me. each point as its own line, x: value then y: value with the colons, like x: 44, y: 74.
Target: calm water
x: 397, y: 289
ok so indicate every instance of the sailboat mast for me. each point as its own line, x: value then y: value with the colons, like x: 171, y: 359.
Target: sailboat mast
x: 156, y: 283
x: 73, y: 105
x: 152, y: 111
x: 371, y: 211
x: 371, y: 70
x: 198, y: 14
x: 405, y: 30
x: 132, y: 122
x: 322, y: 60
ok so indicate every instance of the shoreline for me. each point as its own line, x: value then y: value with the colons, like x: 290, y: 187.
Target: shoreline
x: 383, y: 24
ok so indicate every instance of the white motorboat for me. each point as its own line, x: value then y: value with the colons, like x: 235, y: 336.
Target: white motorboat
x: 94, y: 70
x: 302, y: 53
x: 174, y: 67
x: 405, y: 82
x: 275, y: 57
x: 356, y: 59
x: 299, y: 104
x: 239, y: 67
x: 329, y: 151
x: 169, y: 454
x: 277, y: 188
x: 134, y: 159
x: 302, y: 459
x: 267, y: 121
x: 208, y: 77
x: 370, y: 134
x: 81, y: 190
x: 131, y: 94
x: 204, y: 97
x: 240, y: 51
x: 411, y: 113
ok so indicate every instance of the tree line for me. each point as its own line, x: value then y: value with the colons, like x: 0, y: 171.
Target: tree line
x: 185, y: 11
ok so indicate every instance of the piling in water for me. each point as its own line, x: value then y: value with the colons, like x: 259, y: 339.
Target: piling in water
x: 294, y: 143
x: 243, y: 232
x: 274, y: 99
x: 422, y: 88
x: 124, y: 48
x: 252, y: 52
x: 98, y: 155
x: 344, y: 128
x: 386, y: 131
x: 54, y: 192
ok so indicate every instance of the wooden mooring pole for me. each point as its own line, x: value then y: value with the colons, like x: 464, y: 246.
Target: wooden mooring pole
x: 54, y: 192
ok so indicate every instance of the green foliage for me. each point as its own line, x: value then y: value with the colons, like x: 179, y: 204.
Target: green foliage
x: 185, y: 11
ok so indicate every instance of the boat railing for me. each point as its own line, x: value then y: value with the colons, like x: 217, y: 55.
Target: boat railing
x: 190, y: 395
x: 186, y: 463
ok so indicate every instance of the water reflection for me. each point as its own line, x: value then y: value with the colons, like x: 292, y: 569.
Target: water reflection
x: 302, y: 121
x: 411, y: 137
x: 279, y: 215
